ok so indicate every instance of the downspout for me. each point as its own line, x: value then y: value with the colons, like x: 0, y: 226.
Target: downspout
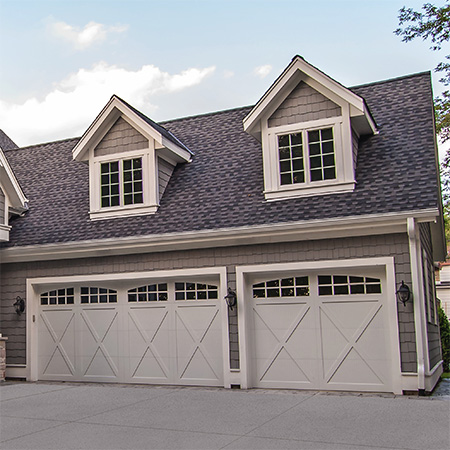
x: 418, y: 295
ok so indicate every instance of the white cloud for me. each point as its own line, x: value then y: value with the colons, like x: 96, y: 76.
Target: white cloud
x: 74, y: 102
x: 262, y: 71
x: 81, y: 39
x: 228, y: 74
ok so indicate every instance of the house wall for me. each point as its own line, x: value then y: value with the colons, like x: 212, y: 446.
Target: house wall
x: 165, y: 171
x: 303, y: 104
x: 122, y: 137
x: 13, y: 280
x: 2, y: 207
x: 434, y: 341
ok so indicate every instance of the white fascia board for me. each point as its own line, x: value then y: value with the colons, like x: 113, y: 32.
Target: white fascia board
x: 180, y: 154
x: 296, y: 231
x: 11, y: 186
x: 299, y: 64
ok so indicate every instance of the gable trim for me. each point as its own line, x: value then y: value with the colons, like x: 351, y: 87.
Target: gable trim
x: 17, y: 200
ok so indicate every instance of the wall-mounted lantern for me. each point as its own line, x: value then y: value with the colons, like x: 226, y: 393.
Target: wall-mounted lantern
x: 231, y: 299
x: 403, y: 293
x: 19, y: 305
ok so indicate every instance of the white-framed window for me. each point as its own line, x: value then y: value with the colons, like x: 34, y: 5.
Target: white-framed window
x: 306, y: 156
x: 121, y: 183
x: 310, y: 158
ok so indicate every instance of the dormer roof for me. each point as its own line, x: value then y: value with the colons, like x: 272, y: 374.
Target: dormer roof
x: 300, y: 70
x: 165, y: 141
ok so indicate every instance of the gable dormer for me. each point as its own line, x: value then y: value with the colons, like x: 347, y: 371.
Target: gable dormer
x: 309, y: 126
x: 131, y: 159
x: 12, y: 199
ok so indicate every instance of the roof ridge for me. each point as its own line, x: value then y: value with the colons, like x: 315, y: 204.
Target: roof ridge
x: 27, y: 147
x: 389, y: 80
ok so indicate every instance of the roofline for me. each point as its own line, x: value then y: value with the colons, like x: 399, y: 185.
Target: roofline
x: 14, y: 182
x: 372, y: 224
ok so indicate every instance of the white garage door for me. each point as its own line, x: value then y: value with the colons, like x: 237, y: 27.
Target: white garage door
x: 321, y: 331
x: 162, y: 333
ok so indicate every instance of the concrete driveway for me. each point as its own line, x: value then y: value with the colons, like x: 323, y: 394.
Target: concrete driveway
x: 87, y: 416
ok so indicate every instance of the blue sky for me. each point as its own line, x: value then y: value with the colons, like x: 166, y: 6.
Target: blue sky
x: 63, y: 59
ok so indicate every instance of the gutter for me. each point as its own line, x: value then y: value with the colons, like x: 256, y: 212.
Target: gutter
x: 224, y: 237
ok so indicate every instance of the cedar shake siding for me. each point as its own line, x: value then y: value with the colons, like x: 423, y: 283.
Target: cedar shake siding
x: 122, y: 137
x: 14, y: 278
x: 302, y: 105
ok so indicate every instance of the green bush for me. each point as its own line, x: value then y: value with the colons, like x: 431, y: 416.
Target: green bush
x: 444, y: 325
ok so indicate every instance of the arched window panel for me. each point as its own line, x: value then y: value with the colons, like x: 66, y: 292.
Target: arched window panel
x: 149, y: 293
x: 64, y: 296
x: 98, y: 295
x: 195, y: 291
x: 284, y: 287
x: 348, y: 285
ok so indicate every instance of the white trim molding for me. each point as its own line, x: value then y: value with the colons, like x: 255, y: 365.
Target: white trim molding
x: 374, y: 224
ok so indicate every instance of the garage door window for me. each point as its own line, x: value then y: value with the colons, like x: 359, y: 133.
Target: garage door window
x: 150, y: 293
x: 195, y: 291
x: 98, y: 295
x: 347, y: 284
x: 58, y: 297
x: 285, y: 287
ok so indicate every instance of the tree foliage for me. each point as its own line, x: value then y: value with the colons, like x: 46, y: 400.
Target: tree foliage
x: 433, y: 24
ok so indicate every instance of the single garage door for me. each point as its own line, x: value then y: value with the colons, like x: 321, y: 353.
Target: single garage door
x: 320, y: 331
x: 154, y: 332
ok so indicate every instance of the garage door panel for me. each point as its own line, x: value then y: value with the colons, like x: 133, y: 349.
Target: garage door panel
x: 99, y: 349
x: 285, y: 343
x: 148, y: 343
x: 56, y: 343
x: 198, y: 336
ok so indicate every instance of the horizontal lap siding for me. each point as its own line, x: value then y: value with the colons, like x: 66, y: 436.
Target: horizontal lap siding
x: 14, y: 277
x: 165, y: 171
x: 2, y: 207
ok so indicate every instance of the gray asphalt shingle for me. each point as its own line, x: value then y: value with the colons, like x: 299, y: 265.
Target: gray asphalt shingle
x: 223, y: 186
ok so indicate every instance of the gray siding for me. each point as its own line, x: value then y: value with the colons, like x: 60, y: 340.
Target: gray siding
x: 122, y: 137
x: 2, y: 207
x: 13, y: 280
x: 434, y: 341
x: 355, y: 143
x: 304, y: 104
x: 165, y: 171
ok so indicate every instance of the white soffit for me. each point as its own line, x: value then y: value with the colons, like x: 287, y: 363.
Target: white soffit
x: 297, y: 70
x: 114, y: 109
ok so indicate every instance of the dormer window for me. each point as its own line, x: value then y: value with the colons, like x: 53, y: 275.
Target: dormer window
x: 131, y: 159
x: 306, y: 156
x: 308, y: 126
x: 121, y: 183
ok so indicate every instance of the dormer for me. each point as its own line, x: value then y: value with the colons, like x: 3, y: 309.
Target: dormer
x: 131, y: 159
x: 309, y: 126
x: 12, y: 199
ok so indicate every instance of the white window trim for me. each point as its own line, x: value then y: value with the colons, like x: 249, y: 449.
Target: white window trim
x: 344, y: 181
x: 149, y: 180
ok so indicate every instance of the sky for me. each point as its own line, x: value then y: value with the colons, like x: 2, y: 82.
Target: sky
x: 61, y: 60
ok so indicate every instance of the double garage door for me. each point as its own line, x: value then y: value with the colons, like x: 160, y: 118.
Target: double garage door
x: 325, y: 330
x: 154, y: 332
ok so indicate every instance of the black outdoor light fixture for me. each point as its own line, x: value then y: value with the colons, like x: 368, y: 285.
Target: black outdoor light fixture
x: 19, y: 305
x: 231, y: 299
x: 403, y: 293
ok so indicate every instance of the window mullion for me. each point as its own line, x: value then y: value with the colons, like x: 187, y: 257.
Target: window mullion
x: 306, y: 157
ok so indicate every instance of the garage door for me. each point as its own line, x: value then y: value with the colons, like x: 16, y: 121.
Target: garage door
x: 162, y: 333
x: 320, y: 331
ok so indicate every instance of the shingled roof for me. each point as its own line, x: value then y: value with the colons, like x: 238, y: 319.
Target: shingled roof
x: 6, y: 142
x: 223, y: 186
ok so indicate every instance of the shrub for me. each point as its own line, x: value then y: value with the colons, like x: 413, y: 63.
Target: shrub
x: 444, y: 326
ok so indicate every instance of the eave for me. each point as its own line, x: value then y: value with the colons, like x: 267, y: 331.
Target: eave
x: 18, y: 203
x: 225, y: 237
